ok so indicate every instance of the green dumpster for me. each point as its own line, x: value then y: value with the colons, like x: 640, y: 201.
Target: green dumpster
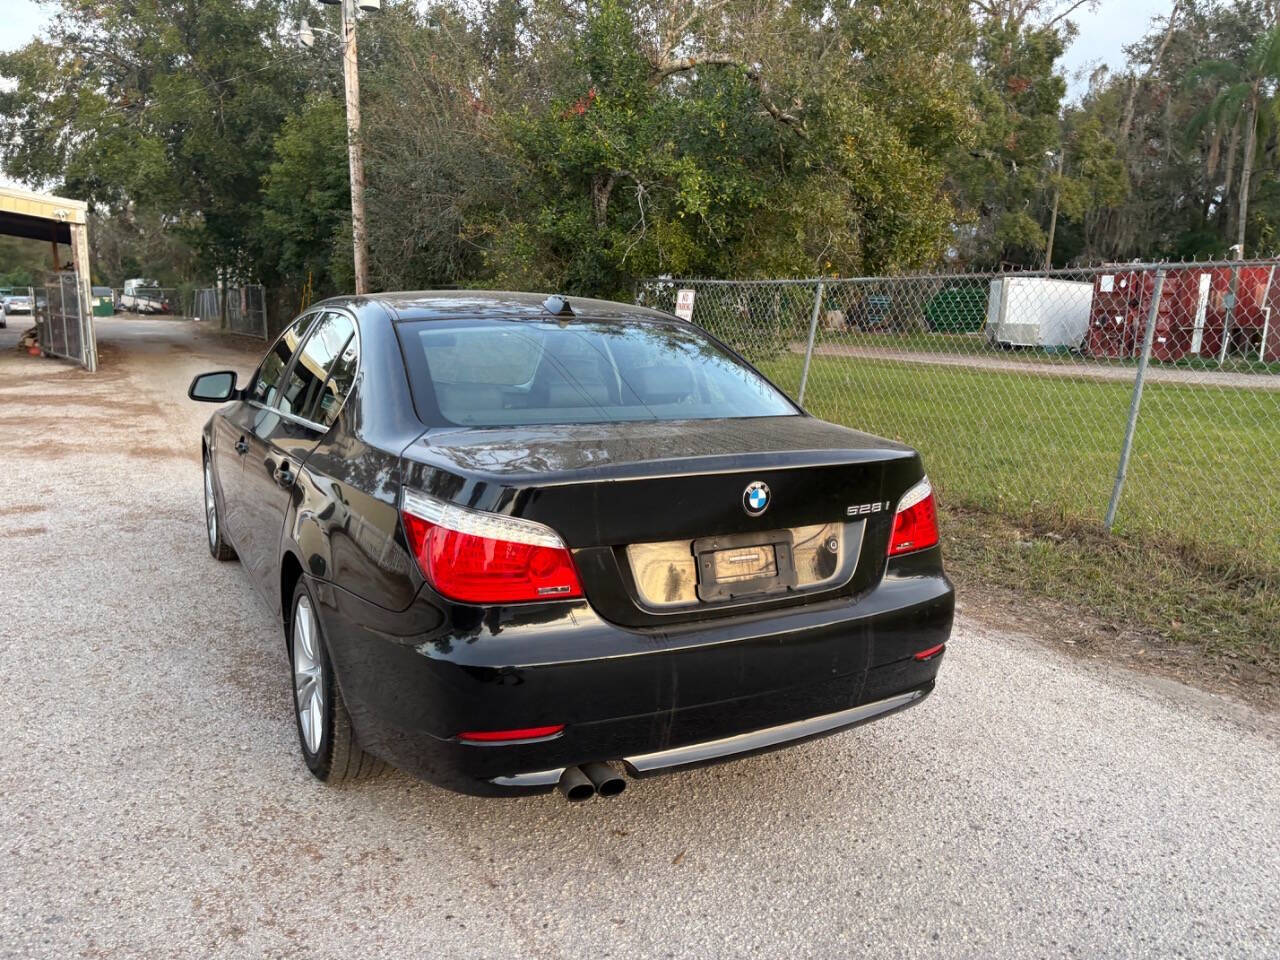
x: 957, y: 309
x: 104, y: 302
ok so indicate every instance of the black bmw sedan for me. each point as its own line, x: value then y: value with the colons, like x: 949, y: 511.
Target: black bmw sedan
x: 516, y: 543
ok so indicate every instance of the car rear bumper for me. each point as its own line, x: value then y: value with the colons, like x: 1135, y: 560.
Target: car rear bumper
x: 737, y: 745
x: 654, y: 700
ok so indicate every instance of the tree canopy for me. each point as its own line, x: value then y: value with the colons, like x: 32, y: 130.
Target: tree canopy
x: 576, y: 145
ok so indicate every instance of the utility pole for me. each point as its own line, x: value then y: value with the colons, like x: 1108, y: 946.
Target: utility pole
x: 1053, y: 217
x: 351, y: 78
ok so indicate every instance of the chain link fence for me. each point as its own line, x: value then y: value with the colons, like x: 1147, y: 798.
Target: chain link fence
x: 245, y: 308
x: 1142, y: 397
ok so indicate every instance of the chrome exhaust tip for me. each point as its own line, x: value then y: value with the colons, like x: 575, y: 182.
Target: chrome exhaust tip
x: 607, y: 781
x: 575, y: 786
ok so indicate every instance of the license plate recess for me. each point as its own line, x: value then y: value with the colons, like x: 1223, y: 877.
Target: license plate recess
x: 745, y: 565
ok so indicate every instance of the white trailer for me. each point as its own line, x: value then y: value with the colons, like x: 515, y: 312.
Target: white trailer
x: 1038, y: 312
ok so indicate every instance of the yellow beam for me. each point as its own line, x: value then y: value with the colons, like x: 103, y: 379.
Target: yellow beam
x: 42, y: 205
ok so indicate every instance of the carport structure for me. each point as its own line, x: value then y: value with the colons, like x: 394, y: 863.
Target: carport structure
x: 63, y: 313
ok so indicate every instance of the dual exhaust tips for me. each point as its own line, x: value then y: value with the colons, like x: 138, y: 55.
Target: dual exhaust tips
x: 584, y: 782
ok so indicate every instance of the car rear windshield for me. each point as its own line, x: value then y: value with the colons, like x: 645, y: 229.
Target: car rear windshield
x: 492, y: 373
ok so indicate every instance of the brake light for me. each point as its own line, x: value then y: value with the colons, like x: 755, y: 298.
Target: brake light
x: 511, y: 736
x: 476, y: 557
x: 915, y: 525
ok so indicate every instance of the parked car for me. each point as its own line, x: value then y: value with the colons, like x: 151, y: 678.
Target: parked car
x: 143, y: 296
x: 517, y: 543
x: 17, y: 303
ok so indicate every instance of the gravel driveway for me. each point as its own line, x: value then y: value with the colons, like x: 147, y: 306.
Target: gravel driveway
x: 154, y: 804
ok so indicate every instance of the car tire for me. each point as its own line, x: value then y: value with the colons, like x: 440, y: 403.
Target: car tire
x: 218, y: 547
x: 325, y: 734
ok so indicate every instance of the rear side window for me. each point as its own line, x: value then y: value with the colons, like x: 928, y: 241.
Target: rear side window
x: 308, y: 380
x: 266, y: 382
x: 342, y: 374
x: 507, y: 372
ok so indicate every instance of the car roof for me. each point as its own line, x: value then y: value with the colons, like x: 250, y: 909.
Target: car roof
x: 496, y: 304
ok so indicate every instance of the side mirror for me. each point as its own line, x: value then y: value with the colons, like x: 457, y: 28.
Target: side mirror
x: 216, y: 387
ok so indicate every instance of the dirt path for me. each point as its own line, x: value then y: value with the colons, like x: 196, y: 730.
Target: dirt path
x: 1079, y: 367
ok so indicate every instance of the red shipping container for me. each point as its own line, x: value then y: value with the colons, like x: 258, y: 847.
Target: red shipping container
x: 1192, y: 314
x: 1269, y: 338
x: 1250, y: 316
x: 1184, y: 324
x: 1120, y: 301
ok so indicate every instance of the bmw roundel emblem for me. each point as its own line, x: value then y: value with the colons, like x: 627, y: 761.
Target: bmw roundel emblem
x: 756, y: 498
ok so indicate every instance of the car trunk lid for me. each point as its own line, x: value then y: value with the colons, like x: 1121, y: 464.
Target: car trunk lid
x: 659, y: 517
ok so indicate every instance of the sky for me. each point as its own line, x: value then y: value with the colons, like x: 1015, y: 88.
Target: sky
x: 21, y: 21
x: 1103, y: 34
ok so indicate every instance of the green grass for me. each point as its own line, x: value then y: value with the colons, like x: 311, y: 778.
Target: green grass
x: 1160, y: 601
x: 1201, y: 500
x: 1204, y: 464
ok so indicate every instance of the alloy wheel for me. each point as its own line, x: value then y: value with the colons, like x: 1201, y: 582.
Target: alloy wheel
x: 308, y: 676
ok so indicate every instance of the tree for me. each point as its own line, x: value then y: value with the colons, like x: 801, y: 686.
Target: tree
x: 1002, y: 181
x: 723, y: 138
x: 129, y: 243
x: 578, y: 144
x: 1179, y: 168
x: 436, y: 159
x: 307, y: 197
x: 1245, y: 98
x: 169, y: 106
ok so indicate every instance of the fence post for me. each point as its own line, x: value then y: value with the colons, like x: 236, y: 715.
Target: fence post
x: 1232, y: 297
x: 813, y: 334
x: 1136, y: 402
x: 221, y: 286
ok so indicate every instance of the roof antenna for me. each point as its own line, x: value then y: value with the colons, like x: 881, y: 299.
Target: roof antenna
x: 557, y: 306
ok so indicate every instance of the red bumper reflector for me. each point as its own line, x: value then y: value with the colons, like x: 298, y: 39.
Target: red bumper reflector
x: 931, y: 652
x: 507, y: 736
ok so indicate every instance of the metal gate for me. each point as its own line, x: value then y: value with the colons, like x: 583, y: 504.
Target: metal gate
x: 241, y: 309
x: 63, y: 324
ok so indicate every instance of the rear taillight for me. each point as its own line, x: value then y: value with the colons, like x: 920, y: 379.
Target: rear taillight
x: 915, y: 525
x: 476, y: 557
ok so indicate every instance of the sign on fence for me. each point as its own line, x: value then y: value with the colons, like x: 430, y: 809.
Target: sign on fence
x: 684, y: 305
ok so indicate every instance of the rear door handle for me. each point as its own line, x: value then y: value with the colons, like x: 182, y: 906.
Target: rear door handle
x: 241, y: 447
x: 284, y: 474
